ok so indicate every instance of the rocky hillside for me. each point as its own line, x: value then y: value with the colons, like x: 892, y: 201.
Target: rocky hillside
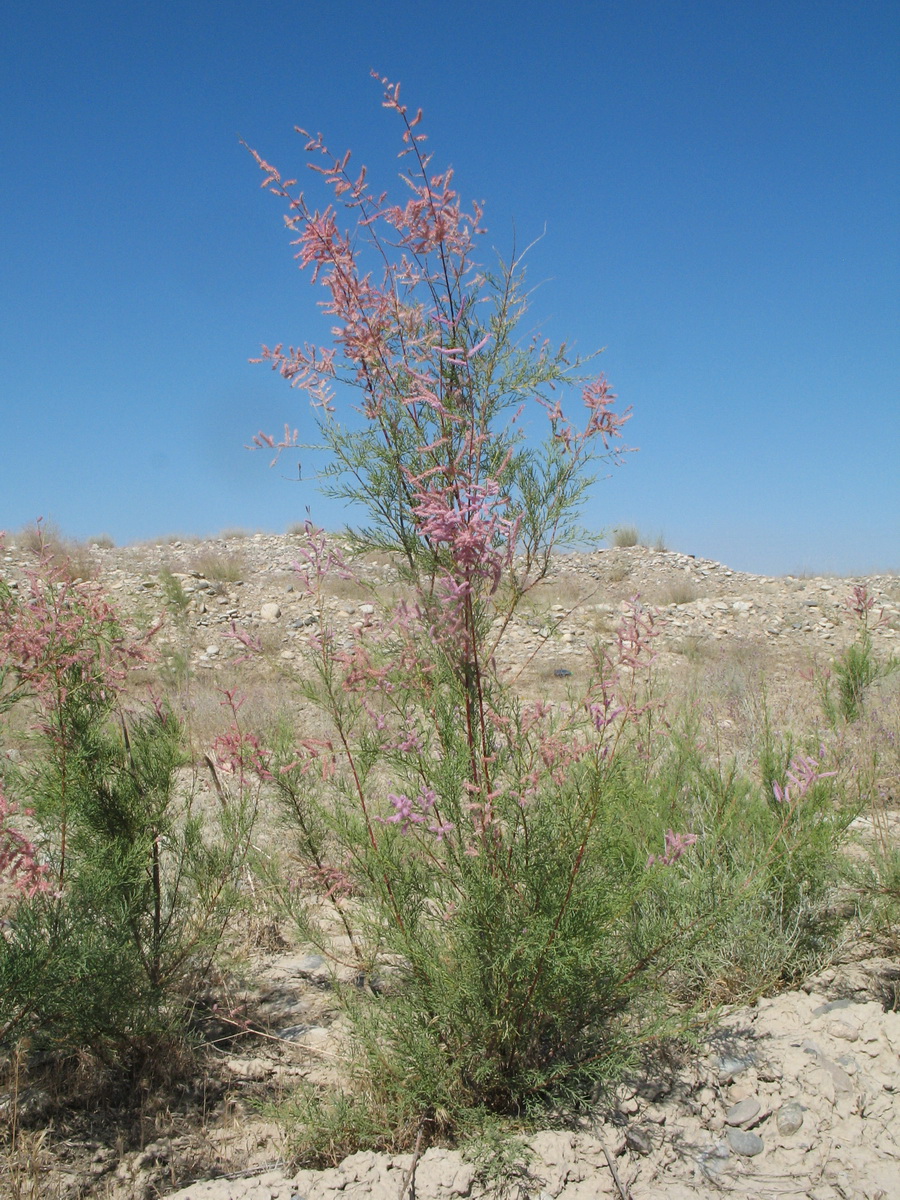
x: 251, y: 581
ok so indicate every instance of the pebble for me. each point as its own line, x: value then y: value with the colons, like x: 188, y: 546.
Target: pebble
x: 311, y: 962
x: 742, y: 1112
x: 747, y: 1144
x: 730, y: 1067
x: 638, y: 1141
x: 843, y: 1029
x: 789, y: 1118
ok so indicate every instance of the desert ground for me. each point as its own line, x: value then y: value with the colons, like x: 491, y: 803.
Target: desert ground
x: 796, y: 1094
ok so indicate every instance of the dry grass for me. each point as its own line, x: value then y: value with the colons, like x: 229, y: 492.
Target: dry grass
x: 72, y: 558
x: 25, y: 1165
x: 680, y: 593
x: 237, y: 533
x: 175, y: 539
x: 230, y: 567
x: 624, y: 536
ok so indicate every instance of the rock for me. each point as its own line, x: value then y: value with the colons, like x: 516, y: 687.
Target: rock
x: 747, y: 1144
x: 293, y: 1033
x: 743, y: 1112
x: 713, y: 1161
x: 443, y: 1174
x: 310, y: 963
x: 843, y: 1029
x: 769, y: 1072
x: 789, y: 1118
x: 270, y: 611
x: 638, y: 1141
x: 249, y: 1068
x: 730, y: 1067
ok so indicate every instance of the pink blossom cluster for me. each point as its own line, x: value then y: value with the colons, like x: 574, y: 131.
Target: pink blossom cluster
x: 860, y: 603
x: 320, y: 558
x: 238, y: 752
x: 635, y: 634
x: 19, y: 864
x: 603, y: 421
x: 420, y: 810
x: 619, y: 693
x: 802, y: 774
x: 61, y: 635
x: 467, y: 520
x: 675, y: 847
x: 318, y: 753
x: 404, y: 292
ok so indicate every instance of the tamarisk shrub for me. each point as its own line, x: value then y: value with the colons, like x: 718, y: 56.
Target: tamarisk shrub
x: 468, y: 845
x: 125, y: 893
x: 857, y: 668
x: 503, y: 881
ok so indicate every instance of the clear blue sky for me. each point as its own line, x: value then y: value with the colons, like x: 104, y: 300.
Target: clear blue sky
x: 719, y: 184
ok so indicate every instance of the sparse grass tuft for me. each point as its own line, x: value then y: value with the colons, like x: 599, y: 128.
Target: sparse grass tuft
x: 625, y: 536
x: 174, y: 539
x: 72, y: 559
x: 44, y: 537
x: 694, y: 647
x: 680, y: 593
x: 220, y: 568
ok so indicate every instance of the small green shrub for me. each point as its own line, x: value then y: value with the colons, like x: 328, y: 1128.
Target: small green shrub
x: 755, y: 896
x: 323, y: 1128
x: 854, y: 670
x: 876, y: 882
x: 177, y: 600
x: 138, y: 883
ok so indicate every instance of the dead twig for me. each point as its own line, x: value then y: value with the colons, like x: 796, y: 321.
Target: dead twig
x: 624, y: 1192
x: 408, y: 1186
